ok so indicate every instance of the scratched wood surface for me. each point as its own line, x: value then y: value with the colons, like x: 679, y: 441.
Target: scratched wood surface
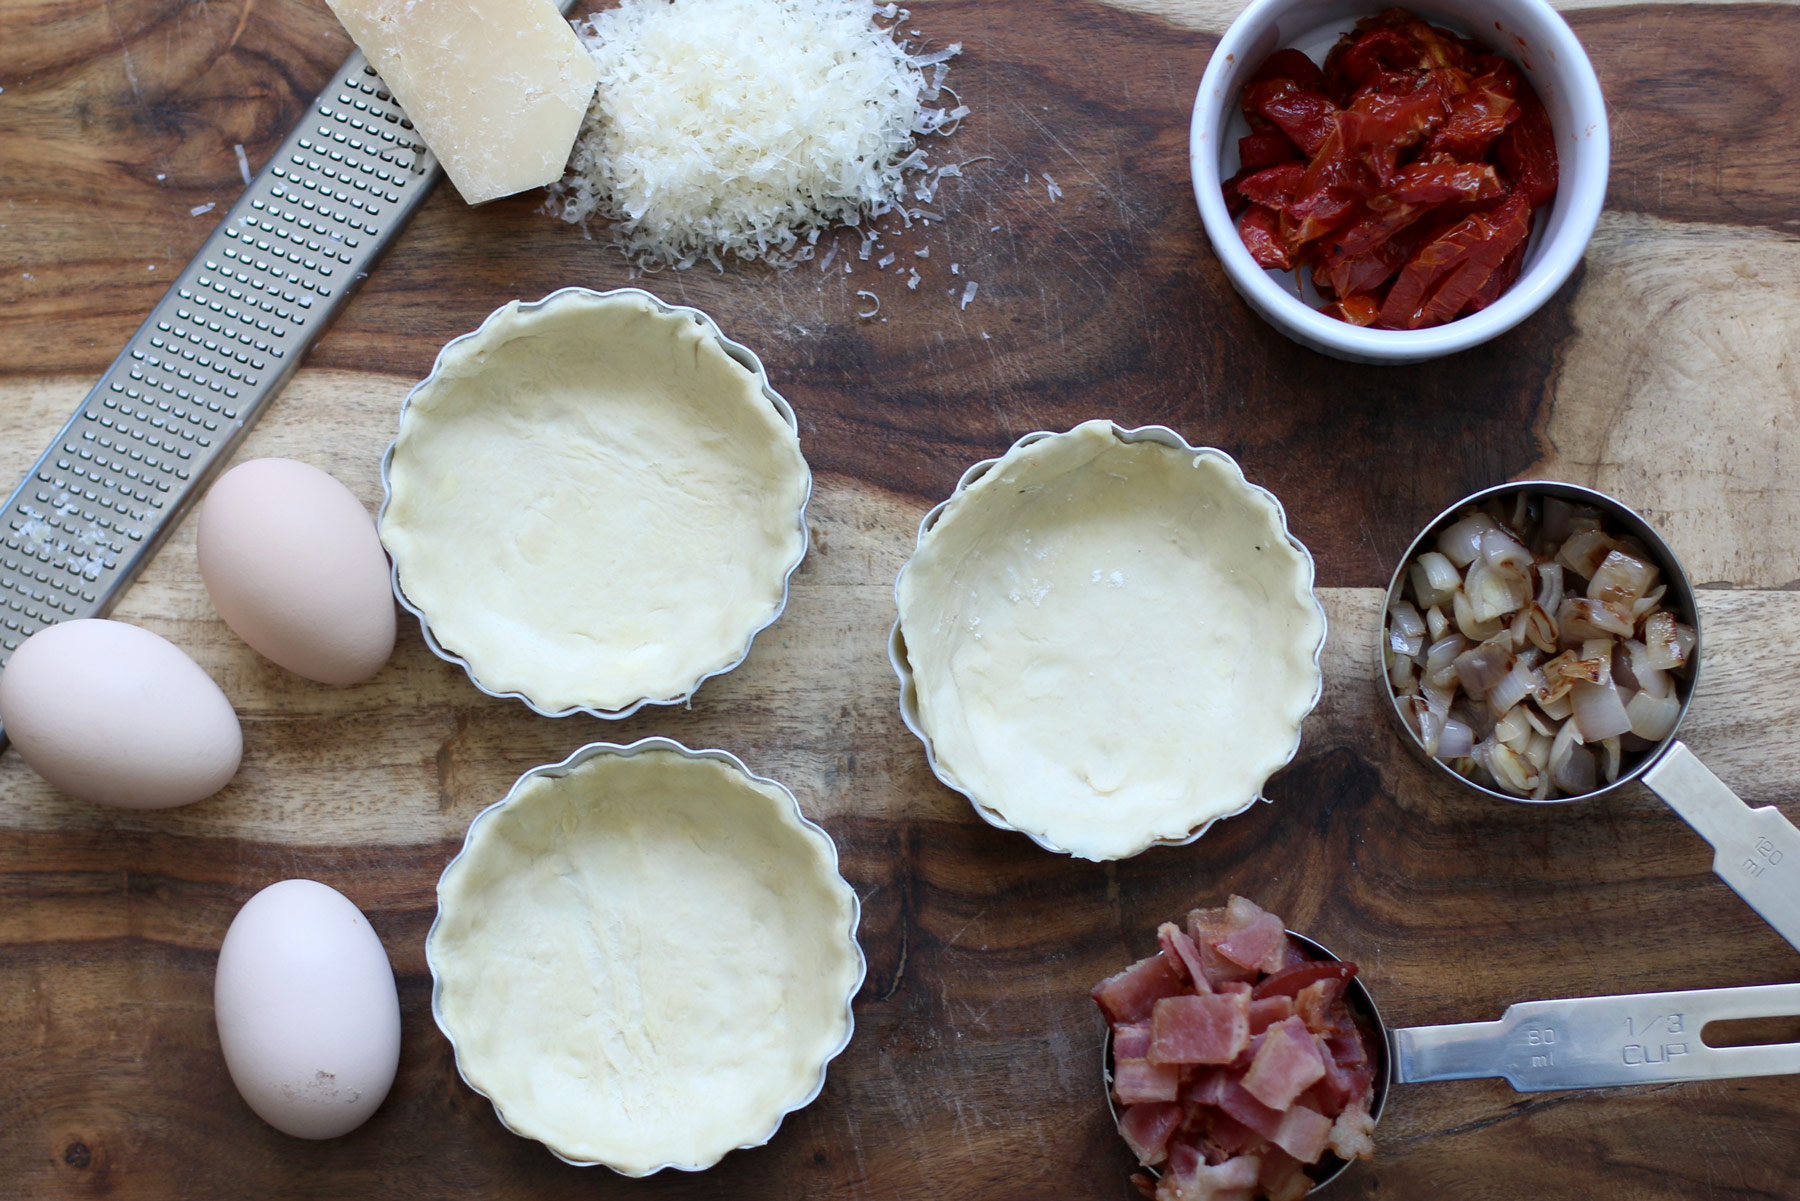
x: 1665, y: 372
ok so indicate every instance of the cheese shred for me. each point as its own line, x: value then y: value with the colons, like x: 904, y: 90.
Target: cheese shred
x: 749, y: 127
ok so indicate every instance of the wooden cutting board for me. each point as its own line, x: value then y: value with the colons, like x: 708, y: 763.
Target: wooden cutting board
x: 1665, y: 373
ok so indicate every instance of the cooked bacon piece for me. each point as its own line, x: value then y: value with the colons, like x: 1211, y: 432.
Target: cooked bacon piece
x: 1200, y: 1029
x: 1193, y: 1179
x: 1242, y: 933
x: 1222, y: 1137
x: 1133, y: 993
x: 1288, y: 1064
x: 1131, y: 1041
x: 1236, y: 1100
x: 1290, y: 980
x: 1179, y: 947
x: 1266, y: 1011
x: 1316, y: 1001
x: 1350, y: 1134
x: 1283, y: 1178
x: 1138, y: 1081
x: 1147, y: 1128
x: 1303, y: 1133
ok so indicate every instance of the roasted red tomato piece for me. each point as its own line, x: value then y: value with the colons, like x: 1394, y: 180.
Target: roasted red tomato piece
x: 1527, y: 150
x: 1368, y: 253
x: 1260, y: 229
x: 1451, y: 269
x: 1478, y: 116
x: 1305, y: 115
x: 1291, y: 64
x: 1378, y: 126
x: 1497, y: 283
x: 1355, y: 310
x: 1273, y: 187
x: 1265, y: 148
x: 1439, y: 182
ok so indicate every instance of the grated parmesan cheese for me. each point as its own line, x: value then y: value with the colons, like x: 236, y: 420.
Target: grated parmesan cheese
x: 743, y: 127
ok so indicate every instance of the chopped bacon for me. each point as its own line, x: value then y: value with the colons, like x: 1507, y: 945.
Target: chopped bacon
x: 1245, y: 934
x: 1314, y: 1002
x: 1137, y: 1081
x: 1234, y: 1076
x: 1283, y: 1178
x: 1179, y: 947
x: 1237, y: 1101
x: 1303, y: 1133
x: 1288, y: 1064
x: 1350, y: 1134
x: 1131, y: 1040
x: 1266, y: 1011
x: 1134, y: 992
x: 1211, y: 1028
x: 1233, y: 1180
x: 1147, y: 1128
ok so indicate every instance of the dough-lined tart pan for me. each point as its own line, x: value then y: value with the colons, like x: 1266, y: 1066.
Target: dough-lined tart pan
x: 1107, y: 639
x: 645, y: 957
x: 594, y: 502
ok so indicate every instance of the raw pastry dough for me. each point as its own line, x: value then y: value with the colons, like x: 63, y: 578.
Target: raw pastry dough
x: 645, y: 962
x: 593, y: 504
x: 1112, y: 642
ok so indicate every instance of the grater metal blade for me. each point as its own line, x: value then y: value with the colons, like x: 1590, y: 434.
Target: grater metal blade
x: 216, y: 349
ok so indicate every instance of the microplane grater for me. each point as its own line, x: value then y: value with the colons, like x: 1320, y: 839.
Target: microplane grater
x: 217, y: 348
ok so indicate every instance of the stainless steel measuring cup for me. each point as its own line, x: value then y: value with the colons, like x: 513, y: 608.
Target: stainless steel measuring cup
x: 1756, y: 851
x: 1572, y: 1043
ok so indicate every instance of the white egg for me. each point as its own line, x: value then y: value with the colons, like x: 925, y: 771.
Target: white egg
x: 293, y: 564
x: 309, y: 1019
x: 109, y: 712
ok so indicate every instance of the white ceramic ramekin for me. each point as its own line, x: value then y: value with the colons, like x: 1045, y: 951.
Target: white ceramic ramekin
x: 1532, y: 35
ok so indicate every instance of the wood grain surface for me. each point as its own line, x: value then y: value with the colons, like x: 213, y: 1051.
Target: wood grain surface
x: 1664, y: 372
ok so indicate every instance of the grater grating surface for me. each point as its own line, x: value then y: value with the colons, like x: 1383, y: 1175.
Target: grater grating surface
x: 220, y: 344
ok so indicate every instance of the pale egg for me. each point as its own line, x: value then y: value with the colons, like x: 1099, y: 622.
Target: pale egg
x: 109, y: 712
x: 293, y: 564
x: 308, y: 1015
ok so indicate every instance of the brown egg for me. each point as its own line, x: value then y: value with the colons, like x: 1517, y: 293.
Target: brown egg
x: 292, y: 563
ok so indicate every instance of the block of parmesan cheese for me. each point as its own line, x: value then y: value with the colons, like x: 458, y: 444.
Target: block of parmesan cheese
x: 497, y: 88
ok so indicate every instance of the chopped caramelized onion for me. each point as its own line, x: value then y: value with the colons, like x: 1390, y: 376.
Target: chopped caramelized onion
x: 1580, y: 619
x: 1584, y: 551
x: 1550, y: 586
x: 1461, y: 543
x: 1474, y: 629
x: 1668, y: 641
x: 1599, y: 713
x: 1515, y: 686
x: 1496, y: 589
x: 1436, y: 624
x: 1620, y: 580
x: 1532, y: 652
x: 1484, y: 666
x: 1652, y: 717
x: 1434, y: 579
x: 1455, y: 740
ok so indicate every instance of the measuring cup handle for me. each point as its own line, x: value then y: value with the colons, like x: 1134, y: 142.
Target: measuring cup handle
x: 1756, y: 851
x: 1601, y: 1042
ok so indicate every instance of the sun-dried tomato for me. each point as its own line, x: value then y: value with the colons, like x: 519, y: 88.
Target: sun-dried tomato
x: 1527, y: 150
x: 1273, y: 187
x: 1291, y: 64
x: 1258, y: 228
x: 1425, y: 157
x: 1265, y: 149
x: 1306, y: 116
x: 1450, y: 270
